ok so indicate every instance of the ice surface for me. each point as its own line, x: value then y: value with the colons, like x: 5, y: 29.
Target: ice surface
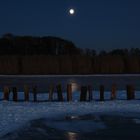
x: 15, y: 115
x: 77, y: 126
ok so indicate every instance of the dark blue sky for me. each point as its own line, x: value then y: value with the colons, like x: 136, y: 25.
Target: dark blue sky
x: 97, y: 24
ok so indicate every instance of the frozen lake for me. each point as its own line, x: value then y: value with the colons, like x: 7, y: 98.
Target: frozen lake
x: 107, y: 120
x: 43, y: 81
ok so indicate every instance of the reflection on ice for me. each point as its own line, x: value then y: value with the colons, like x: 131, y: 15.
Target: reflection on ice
x: 72, y: 136
x: 75, y: 86
x: 72, y: 117
x: 137, y: 121
x: 77, y: 124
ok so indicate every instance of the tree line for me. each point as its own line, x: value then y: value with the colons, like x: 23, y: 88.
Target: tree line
x: 52, y: 55
x: 29, y: 45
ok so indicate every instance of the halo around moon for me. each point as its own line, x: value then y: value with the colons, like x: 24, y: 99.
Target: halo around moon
x: 72, y: 11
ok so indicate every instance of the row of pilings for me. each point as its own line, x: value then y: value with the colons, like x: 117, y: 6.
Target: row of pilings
x: 86, y: 93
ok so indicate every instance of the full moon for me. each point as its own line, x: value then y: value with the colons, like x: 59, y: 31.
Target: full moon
x: 72, y: 11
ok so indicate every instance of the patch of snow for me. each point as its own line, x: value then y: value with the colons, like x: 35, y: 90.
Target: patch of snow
x: 14, y: 115
x: 137, y: 121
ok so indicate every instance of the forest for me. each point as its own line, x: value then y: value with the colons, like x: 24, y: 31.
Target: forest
x: 53, y: 55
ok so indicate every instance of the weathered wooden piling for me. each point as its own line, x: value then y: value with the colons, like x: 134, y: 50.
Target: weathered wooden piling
x: 26, y: 93
x: 128, y: 88
x: 113, y: 92
x: 51, y: 90
x: 6, y: 93
x: 101, y: 92
x: 35, y: 93
x: 83, y: 95
x: 15, y: 94
x: 69, y: 92
x: 90, y: 96
x: 59, y: 92
x: 130, y: 92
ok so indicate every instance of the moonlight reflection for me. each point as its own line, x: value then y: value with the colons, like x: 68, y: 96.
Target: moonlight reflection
x: 75, y: 87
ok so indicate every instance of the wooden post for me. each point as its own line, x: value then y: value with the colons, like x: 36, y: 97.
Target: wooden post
x: 90, y: 93
x: 59, y: 92
x: 6, y: 93
x: 51, y: 90
x: 26, y: 93
x: 101, y: 92
x: 35, y: 93
x: 83, y: 96
x: 130, y: 92
x: 15, y: 94
x: 113, y: 92
x: 69, y: 92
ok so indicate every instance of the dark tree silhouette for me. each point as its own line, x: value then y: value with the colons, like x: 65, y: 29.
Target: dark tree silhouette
x: 53, y: 55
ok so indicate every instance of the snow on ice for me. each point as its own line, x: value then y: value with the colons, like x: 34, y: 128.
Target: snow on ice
x: 15, y: 115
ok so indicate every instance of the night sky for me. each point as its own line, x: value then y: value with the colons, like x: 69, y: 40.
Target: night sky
x: 97, y: 24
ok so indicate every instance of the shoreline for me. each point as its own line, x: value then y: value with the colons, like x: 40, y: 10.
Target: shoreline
x: 90, y: 75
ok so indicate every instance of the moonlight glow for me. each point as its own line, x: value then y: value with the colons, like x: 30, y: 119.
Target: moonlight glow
x: 72, y: 11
